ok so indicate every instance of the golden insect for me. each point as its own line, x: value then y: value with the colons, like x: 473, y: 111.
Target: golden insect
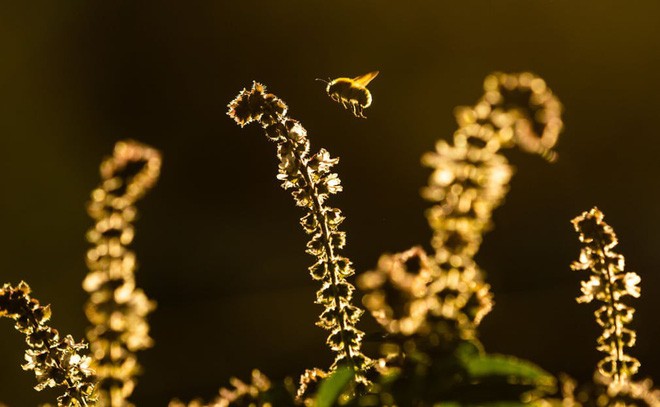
x: 351, y: 93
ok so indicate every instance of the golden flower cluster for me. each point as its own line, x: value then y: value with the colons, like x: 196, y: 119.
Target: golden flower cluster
x: 309, y: 385
x: 470, y: 179
x: 609, y: 283
x: 55, y: 361
x: 409, y: 294
x: 470, y: 176
x: 241, y: 395
x: 608, y: 392
x: 522, y: 109
x: 311, y: 181
x: 116, y: 309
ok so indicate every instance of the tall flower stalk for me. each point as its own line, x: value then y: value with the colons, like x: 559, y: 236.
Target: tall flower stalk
x: 55, y: 361
x: 311, y: 182
x: 609, y: 283
x: 116, y: 309
x: 471, y: 176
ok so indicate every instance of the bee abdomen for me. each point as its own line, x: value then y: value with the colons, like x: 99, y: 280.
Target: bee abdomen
x: 361, y: 96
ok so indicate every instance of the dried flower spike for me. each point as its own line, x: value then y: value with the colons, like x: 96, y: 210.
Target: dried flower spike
x: 609, y: 283
x: 56, y: 362
x: 311, y: 181
x: 116, y: 309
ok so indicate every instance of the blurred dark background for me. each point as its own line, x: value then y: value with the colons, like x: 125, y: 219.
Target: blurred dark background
x: 218, y: 240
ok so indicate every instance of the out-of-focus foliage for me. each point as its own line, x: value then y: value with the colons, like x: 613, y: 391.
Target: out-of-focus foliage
x: 116, y: 309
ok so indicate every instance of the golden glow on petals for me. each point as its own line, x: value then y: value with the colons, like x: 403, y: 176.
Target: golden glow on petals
x: 608, y: 283
x: 409, y: 294
x: 117, y: 309
x: 55, y: 361
x: 311, y: 181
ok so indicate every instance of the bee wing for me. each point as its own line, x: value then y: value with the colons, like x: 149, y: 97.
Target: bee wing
x: 363, y: 80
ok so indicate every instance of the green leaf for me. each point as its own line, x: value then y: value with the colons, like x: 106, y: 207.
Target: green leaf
x: 332, y: 387
x: 514, y: 370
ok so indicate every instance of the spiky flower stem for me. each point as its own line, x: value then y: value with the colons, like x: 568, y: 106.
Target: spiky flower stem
x: 117, y: 309
x: 311, y: 182
x: 56, y: 362
x: 608, y: 283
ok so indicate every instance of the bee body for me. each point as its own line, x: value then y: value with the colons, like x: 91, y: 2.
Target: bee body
x: 352, y: 93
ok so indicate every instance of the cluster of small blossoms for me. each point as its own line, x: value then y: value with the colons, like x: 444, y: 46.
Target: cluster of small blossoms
x: 411, y: 296
x: 55, y: 361
x: 311, y: 181
x: 609, y: 284
x: 309, y: 385
x: 471, y: 175
x: 523, y: 111
x: 241, y: 395
x: 470, y: 179
x: 116, y: 309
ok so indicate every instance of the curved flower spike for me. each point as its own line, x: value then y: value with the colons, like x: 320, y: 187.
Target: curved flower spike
x: 117, y: 309
x: 609, y: 283
x: 471, y: 175
x: 311, y: 181
x: 55, y: 361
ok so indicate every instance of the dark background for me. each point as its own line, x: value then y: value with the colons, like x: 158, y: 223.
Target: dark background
x: 218, y: 240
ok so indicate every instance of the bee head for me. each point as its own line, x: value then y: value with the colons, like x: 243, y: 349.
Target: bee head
x: 328, y: 83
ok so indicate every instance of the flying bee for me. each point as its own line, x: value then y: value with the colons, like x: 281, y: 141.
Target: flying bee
x: 351, y: 93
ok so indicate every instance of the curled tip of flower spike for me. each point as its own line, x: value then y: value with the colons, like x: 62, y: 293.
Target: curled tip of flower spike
x: 127, y: 176
x: 256, y: 105
x: 536, y: 121
x: 410, y: 294
x: 593, y: 231
x: 523, y: 110
x: 396, y: 292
